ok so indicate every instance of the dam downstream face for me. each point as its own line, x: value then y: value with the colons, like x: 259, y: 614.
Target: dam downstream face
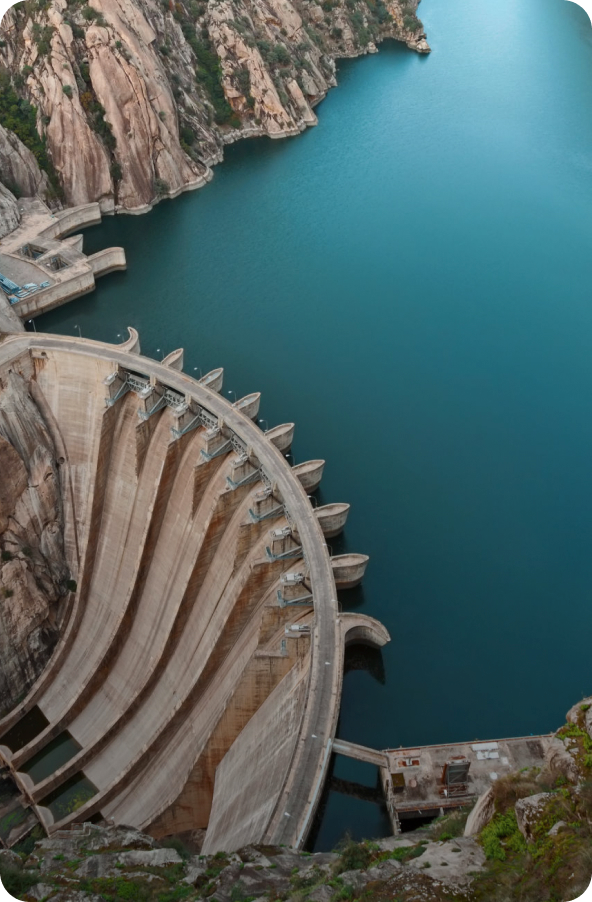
x: 410, y: 284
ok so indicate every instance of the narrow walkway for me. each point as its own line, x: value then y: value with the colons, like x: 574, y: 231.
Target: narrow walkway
x: 360, y: 752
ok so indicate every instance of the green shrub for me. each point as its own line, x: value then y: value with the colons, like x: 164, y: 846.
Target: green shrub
x: 67, y: 89
x: 173, y: 842
x: 17, y: 882
x: 161, y: 187
x: 500, y: 834
x: 187, y: 134
x: 7, y: 555
x: 208, y: 74
x: 20, y: 117
x: 353, y: 856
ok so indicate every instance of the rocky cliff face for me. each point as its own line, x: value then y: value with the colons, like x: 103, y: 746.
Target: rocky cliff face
x: 33, y: 571
x: 9, y: 213
x: 18, y: 166
x: 136, y: 98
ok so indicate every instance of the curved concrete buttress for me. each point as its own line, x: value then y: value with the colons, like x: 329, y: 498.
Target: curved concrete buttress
x: 309, y: 474
x: 349, y: 569
x: 332, y: 518
x: 132, y: 344
x: 175, y: 360
x: 214, y: 379
x: 249, y: 405
x: 281, y: 436
x: 359, y: 628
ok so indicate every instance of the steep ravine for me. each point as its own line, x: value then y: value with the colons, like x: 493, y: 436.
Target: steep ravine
x: 134, y: 99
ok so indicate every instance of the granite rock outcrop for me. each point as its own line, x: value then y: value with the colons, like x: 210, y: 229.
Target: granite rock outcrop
x: 33, y: 572
x: 19, y: 169
x: 136, y: 99
x: 9, y: 212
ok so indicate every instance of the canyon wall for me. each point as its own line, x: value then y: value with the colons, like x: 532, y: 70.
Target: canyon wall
x: 135, y: 99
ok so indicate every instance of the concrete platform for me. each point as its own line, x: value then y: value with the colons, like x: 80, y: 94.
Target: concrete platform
x: 56, y: 258
x: 427, y: 780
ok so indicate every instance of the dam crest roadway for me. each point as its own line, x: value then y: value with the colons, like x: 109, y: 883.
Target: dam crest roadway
x: 198, y: 676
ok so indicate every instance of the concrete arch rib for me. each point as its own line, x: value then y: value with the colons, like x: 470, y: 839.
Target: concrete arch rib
x: 363, y: 630
x: 131, y: 344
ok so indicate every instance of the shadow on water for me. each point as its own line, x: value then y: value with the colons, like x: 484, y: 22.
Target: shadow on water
x: 364, y: 657
x: 352, y: 786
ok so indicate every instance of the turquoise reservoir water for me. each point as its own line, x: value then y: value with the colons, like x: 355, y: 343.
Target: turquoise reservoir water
x: 411, y: 283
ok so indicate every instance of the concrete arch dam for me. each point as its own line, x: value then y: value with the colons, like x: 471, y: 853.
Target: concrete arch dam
x: 197, y: 678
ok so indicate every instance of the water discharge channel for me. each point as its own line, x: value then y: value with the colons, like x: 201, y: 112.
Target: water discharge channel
x: 411, y: 284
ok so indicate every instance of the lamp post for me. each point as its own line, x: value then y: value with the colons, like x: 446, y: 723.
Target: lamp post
x: 76, y: 326
x: 231, y: 392
x: 32, y: 323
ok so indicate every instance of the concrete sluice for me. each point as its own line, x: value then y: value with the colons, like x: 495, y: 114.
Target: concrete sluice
x: 197, y: 681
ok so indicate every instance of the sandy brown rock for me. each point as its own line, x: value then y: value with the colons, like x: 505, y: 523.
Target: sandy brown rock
x: 138, y: 98
x: 529, y: 812
x: 32, y: 569
x: 9, y: 213
x: 18, y: 167
x: 560, y: 763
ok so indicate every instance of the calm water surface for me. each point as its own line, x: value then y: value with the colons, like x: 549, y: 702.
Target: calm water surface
x: 411, y: 283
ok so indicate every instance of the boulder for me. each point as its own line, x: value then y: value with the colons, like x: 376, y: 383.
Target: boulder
x: 451, y: 862
x: 529, y: 812
x: 559, y: 762
x: 322, y: 894
x: 193, y: 874
x: 98, y: 866
x: 356, y: 879
x: 10, y: 859
x: 41, y: 891
x: 395, y: 842
x: 118, y: 838
x: 150, y: 858
x: 384, y: 870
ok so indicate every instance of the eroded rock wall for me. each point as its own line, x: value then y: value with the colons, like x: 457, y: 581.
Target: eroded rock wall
x: 19, y: 169
x: 9, y: 212
x: 136, y: 98
x: 33, y: 570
